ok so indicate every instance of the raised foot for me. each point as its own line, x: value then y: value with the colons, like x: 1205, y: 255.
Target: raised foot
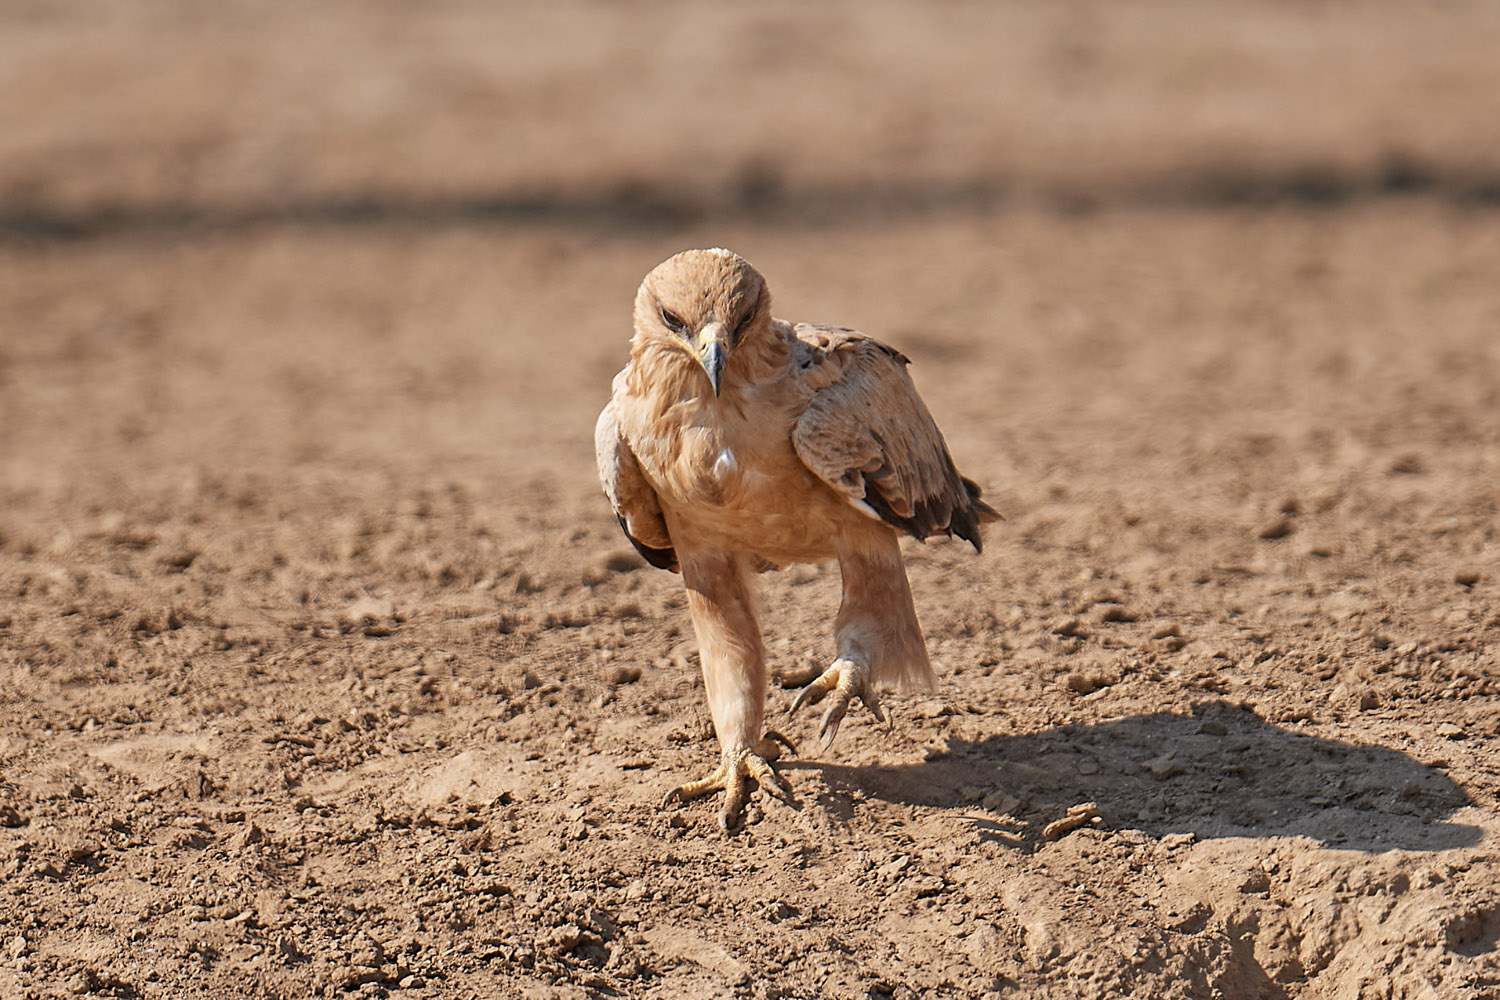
x: 845, y: 680
x: 733, y: 775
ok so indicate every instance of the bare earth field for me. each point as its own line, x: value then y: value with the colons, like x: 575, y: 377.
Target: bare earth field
x: 325, y: 670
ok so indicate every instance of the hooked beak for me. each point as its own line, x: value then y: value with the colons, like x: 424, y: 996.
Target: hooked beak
x: 713, y: 355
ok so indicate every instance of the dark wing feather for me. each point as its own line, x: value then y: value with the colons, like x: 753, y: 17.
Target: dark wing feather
x: 867, y: 434
x: 634, y: 501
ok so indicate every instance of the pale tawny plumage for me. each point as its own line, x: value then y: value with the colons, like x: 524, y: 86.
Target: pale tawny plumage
x: 735, y: 442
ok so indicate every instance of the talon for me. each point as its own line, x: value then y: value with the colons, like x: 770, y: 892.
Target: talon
x: 772, y: 737
x: 734, y: 806
x: 811, y: 695
x: 732, y: 777
x: 766, y: 777
x: 847, y: 679
x: 829, y: 727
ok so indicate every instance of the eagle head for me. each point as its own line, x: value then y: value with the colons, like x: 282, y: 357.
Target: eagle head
x: 706, y: 303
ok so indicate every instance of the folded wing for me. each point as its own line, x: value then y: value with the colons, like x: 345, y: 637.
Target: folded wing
x: 634, y: 501
x: 867, y: 433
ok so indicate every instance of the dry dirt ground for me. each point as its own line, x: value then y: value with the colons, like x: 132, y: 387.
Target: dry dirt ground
x: 324, y: 669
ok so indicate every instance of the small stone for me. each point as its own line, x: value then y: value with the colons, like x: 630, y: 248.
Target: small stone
x: 895, y: 866
x: 1466, y: 578
x: 1081, y: 684
x: 1368, y: 700
x: 1164, y: 766
x: 933, y: 708
x: 1409, y: 464
x: 1255, y: 881
x: 17, y: 946
x: 1279, y: 528
x: 80, y: 850
x: 578, y: 831
x: 249, y: 834
x: 1169, y: 630
x: 624, y: 561
x: 624, y: 675
x: 9, y: 816
x: 1001, y: 802
x: 1450, y: 731
x: 566, y: 937
x: 1071, y: 628
x: 366, y: 952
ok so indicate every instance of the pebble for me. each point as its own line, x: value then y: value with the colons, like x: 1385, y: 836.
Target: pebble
x: 1255, y: 881
x: 1001, y: 802
x: 624, y: 561
x: 895, y: 865
x: 624, y: 675
x: 1071, y: 628
x: 1081, y: 684
x: 1164, y: 766
x: 1279, y: 528
x: 566, y: 937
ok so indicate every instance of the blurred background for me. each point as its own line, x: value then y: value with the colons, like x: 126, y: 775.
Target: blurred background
x: 132, y: 113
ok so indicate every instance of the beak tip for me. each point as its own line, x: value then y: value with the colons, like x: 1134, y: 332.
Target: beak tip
x: 714, y: 362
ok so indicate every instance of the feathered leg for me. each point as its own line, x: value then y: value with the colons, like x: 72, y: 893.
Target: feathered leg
x: 722, y: 603
x: 876, y: 632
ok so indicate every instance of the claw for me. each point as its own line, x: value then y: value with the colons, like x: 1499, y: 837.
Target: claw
x: 846, y: 680
x: 768, y: 745
x: 732, y: 777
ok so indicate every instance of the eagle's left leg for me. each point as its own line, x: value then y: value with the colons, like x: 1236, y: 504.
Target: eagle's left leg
x: 722, y: 603
x: 876, y: 632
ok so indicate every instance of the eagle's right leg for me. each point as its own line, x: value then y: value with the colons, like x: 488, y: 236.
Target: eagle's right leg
x: 876, y: 632
x: 722, y: 603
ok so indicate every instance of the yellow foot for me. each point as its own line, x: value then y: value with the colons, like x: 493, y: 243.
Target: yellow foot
x: 739, y: 767
x: 845, y: 680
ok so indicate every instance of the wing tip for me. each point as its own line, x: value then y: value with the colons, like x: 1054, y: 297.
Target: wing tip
x: 665, y: 558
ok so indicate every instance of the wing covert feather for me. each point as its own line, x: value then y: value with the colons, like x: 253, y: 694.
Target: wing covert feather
x: 867, y: 433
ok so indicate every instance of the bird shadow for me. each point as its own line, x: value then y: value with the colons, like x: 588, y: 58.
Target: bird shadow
x: 1220, y: 772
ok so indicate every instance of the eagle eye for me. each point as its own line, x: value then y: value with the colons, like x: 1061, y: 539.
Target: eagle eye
x: 674, y: 322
